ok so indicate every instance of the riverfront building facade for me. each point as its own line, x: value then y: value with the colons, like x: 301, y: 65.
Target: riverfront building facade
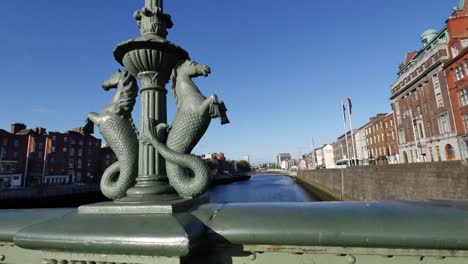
x: 456, y: 71
x: 421, y: 104
x: 380, y: 139
x: 362, y: 149
x: 34, y: 156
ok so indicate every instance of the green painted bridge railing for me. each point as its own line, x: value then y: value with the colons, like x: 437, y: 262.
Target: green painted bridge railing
x: 327, y: 232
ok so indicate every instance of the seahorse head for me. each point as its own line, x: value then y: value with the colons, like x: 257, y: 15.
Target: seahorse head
x: 187, y: 68
x: 127, y: 91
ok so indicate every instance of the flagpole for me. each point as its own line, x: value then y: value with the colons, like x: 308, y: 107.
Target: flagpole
x: 344, y: 127
x: 27, y: 160
x: 45, y: 158
x: 351, y: 128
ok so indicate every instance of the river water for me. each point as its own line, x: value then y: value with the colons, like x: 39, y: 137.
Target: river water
x: 261, y: 188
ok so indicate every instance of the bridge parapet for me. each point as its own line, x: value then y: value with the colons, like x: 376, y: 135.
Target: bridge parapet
x: 328, y: 232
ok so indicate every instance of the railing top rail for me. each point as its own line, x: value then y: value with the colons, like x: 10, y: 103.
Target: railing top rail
x: 437, y: 225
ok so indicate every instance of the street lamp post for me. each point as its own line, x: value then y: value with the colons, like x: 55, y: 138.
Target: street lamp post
x: 151, y: 58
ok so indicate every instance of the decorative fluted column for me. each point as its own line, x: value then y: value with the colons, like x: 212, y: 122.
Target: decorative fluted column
x: 151, y: 58
x: 152, y: 179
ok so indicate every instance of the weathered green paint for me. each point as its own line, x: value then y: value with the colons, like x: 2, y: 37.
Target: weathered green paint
x: 151, y: 58
x: 435, y: 225
x: 329, y: 232
x: 194, y: 114
x: 116, y: 126
x: 149, y: 223
x: 12, y: 221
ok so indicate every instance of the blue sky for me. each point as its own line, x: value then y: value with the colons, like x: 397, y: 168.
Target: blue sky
x: 281, y: 67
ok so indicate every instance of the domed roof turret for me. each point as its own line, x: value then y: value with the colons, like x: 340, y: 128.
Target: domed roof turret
x: 428, y: 35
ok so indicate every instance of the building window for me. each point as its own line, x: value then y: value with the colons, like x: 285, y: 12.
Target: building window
x: 397, y: 111
x: 464, y: 97
x: 79, y: 164
x: 401, y: 136
x: 455, y: 51
x: 460, y: 72
x: 464, y: 43
x: 437, y: 150
x: 450, y: 152
x: 54, y: 137
x: 16, y: 144
x: 439, y: 100
x: 80, y: 152
x: 420, y: 129
x: 81, y: 142
x: 65, y: 139
x: 72, y: 152
x: 5, y: 142
x: 72, y: 140
x: 52, y: 149
x: 71, y: 164
x: 443, y: 123
x: 64, y: 150
x: 465, y: 119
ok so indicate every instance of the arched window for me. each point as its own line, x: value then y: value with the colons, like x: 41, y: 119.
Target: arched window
x: 450, y: 152
x: 405, y: 157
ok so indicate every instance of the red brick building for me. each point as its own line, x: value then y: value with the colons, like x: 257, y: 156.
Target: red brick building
x: 380, y: 138
x: 456, y: 70
x: 341, y: 152
x: 424, y: 120
x: 73, y: 157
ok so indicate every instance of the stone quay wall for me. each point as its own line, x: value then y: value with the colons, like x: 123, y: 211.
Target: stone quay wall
x: 416, y: 181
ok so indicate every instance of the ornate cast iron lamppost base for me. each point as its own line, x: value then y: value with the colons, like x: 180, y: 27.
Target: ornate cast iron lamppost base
x: 161, y: 206
x: 140, y: 177
x: 151, y: 58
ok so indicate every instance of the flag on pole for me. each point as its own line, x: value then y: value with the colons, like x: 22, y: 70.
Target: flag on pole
x: 48, y: 146
x: 350, y: 105
x: 31, y: 144
x: 344, y: 112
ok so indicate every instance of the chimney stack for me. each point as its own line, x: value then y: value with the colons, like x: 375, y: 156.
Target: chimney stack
x: 17, y: 127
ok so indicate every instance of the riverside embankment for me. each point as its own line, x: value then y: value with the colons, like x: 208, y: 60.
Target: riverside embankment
x: 417, y: 181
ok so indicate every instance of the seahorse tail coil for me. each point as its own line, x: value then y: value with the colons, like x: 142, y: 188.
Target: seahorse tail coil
x: 109, y: 183
x: 185, y: 186
x: 122, y: 139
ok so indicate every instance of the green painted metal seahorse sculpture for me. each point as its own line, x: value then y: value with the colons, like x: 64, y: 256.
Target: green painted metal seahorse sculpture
x: 116, y: 126
x: 194, y: 114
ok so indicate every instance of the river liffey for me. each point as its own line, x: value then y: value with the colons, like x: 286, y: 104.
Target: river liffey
x: 261, y: 188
